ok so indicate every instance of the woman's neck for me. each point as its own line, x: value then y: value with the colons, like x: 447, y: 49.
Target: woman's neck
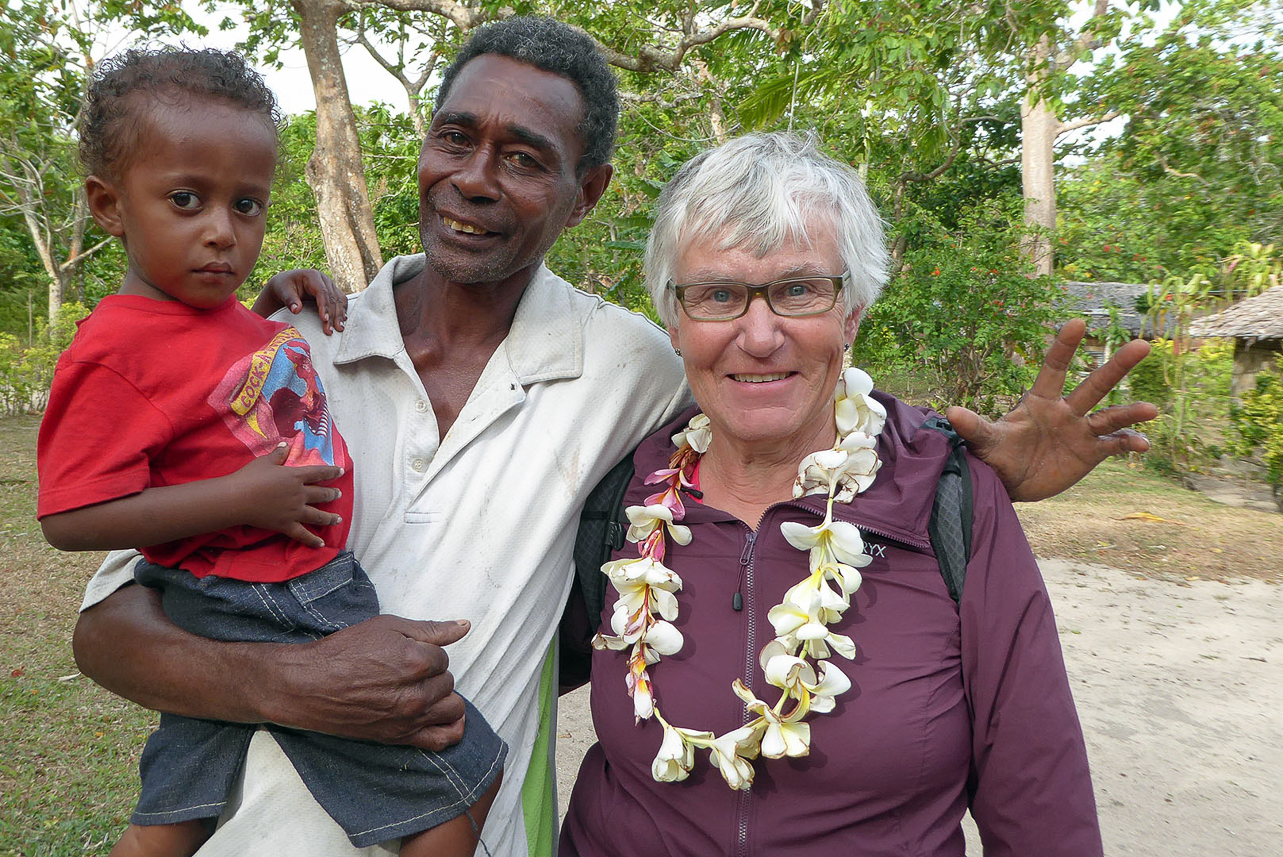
x: 746, y: 478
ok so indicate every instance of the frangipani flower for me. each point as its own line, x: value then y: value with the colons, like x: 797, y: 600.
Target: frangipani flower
x: 783, y: 669
x: 644, y: 519
x: 785, y: 737
x: 818, y: 646
x: 830, y: 540
x: 731, y: 754
x: 676, y: 754
x: 645, y: 590
x: 853, y: 408
x: 832, y: 683
x: 643, y: 696
x: 664, y: 638
x: 781, y: 735
x: 698, y: 434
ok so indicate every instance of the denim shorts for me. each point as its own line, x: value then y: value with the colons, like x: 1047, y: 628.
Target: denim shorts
x: 376, y: 792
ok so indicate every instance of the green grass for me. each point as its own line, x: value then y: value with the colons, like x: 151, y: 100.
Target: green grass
x: 68, y: 773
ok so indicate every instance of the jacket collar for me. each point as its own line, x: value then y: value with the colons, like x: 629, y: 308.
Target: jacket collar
x: 545, y: 342
x: 897, y: 505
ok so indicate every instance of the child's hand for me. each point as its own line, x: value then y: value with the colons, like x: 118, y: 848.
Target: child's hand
x: 291, y: 288
x: 282, y: 499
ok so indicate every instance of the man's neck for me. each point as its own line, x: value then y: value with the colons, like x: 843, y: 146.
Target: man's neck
x: 451, y: 330
x: 456, y: 315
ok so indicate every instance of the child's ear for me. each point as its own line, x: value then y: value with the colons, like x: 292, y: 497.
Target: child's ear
x: 104, y: 205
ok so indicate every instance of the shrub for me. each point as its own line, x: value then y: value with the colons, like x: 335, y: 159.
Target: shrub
x: 1191, y: 391
x: 963, y: 319
x: 1149, y: 380
x: 1258, y: 425
x: 25, y: 373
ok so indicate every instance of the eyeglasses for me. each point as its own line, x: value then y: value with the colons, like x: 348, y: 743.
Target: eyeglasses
x: 794, y: 297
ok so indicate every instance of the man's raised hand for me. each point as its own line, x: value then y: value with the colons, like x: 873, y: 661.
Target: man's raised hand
x: 1049, y: 441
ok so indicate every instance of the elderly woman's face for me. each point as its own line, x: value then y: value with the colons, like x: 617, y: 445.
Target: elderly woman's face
x: 763, y: 379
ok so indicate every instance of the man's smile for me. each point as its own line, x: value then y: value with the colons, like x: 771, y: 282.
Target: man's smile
x: 466, y: 228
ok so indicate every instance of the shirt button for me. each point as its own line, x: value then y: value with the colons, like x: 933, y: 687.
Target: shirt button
x: 418, y: 464
x: 421, y: 406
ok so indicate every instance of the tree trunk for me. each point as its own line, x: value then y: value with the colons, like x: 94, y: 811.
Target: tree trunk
x: 1039, y: 128
x: 40, y: 240
x: 335, y: 171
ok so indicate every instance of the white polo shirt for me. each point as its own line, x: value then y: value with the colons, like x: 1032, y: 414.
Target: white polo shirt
x: 478, y: 525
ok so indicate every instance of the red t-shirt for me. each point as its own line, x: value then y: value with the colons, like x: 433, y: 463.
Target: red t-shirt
x: 154, y: 393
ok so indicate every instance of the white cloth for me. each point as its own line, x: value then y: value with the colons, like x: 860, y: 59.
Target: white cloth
x: 478, y: 525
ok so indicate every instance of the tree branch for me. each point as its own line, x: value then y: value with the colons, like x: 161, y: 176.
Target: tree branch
x: 1170, y: 170
x: 86, y: 254
x: 1062, y: 127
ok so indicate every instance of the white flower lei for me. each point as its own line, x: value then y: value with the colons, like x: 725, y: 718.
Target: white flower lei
x: 793, y: 661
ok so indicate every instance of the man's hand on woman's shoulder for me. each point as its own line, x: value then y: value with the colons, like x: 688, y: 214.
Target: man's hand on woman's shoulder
x: 1049, y: 441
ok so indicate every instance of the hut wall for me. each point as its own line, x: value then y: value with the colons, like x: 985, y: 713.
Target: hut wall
x: 1249, y: 360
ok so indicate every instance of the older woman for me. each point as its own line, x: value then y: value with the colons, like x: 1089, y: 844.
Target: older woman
x: 783, y: 670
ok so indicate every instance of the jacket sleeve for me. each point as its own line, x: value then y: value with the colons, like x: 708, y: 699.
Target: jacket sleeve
x: 1029, y: 787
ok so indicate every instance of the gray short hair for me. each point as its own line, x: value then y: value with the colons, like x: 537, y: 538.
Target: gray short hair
x: 760, y: 191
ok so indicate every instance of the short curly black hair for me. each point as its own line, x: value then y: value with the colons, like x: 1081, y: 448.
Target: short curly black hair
x: 120, y: 86
x: 553, y: 47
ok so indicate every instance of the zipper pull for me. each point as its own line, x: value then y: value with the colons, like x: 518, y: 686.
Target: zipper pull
x: 737, y: 600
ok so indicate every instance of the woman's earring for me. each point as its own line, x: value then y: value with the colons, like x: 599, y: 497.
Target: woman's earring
x: 677, y: 351
x: 846, y: 346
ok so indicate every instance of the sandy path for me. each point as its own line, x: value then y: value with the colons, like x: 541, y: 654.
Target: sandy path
x: 1180, y: 691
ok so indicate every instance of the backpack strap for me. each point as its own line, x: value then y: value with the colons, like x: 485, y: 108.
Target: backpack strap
x: 951, y: 514
x: 602, y: 528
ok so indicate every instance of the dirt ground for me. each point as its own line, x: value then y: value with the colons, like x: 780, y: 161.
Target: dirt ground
x: 1170, y: 612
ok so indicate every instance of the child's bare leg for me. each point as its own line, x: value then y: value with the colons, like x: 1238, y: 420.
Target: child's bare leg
x: 162, y: 840
x: 457, y: 837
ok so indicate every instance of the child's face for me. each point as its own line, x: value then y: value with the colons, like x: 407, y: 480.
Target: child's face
x: 191, y: 204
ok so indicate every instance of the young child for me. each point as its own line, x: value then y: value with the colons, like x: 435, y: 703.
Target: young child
x: 169, y: 421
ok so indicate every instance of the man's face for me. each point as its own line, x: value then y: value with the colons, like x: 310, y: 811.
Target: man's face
x: 497, y: 172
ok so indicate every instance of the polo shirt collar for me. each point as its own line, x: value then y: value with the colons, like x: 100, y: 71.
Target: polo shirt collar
x: 545, y: 342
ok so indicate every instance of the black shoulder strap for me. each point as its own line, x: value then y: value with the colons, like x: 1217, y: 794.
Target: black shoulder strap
x: 602, y: 527
x: 951, y: 514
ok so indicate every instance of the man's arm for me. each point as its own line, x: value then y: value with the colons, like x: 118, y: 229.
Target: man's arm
x: 264, y: 493
x: 383, y: 680
x: 1049, y: 441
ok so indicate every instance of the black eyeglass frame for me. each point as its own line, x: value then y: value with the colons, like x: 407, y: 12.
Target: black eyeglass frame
x: 754, y: 291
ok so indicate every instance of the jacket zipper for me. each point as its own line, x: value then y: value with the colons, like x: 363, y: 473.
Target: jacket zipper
x: 746, y: 567
x: 746, y: 570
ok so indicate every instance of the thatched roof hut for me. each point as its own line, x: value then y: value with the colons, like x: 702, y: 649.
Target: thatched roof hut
x: 1257, y: 327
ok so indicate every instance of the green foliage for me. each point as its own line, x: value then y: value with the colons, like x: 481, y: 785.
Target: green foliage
x: 1258, y: 425
x: 1191, y: 391
x: 963, y: 317
x: 25, y: 373
x: 1149, y: 380
x: 1198, y: 167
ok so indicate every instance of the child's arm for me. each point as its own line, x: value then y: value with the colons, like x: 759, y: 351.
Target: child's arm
x: 291, y: 288
x: 264, y: 493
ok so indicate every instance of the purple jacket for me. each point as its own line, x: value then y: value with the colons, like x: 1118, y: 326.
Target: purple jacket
x: 950, y: 707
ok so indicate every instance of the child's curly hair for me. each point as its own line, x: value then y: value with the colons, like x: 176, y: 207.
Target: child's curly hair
x: 110, y: 118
